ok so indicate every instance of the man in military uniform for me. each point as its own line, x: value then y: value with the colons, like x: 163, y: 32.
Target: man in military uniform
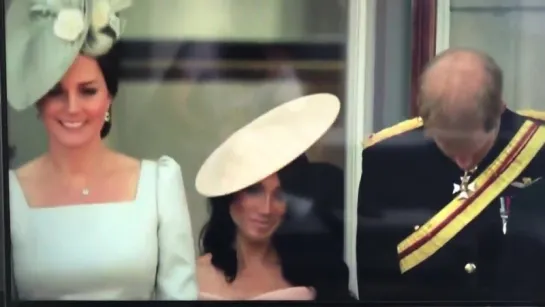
x: 435, y: 190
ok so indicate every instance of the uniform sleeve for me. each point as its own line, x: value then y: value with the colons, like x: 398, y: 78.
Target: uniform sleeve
x: 375, y: 257
x: 176, y: 276
x: 370, y: 184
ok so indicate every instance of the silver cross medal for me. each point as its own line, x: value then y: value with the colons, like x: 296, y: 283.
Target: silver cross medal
x: 465, y: 188
x: 504, y: 214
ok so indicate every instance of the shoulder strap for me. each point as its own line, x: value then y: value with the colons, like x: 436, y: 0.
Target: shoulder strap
x: 539, y: 115
x: 415, y: 123
x: 399, y: 128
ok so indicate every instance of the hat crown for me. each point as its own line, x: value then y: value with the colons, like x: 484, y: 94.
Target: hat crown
x: 45, y: 36
x: 267, y: 144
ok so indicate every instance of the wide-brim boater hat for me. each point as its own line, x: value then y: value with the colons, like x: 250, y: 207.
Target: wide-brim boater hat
x: 267, y: 144
x: 44, y: 37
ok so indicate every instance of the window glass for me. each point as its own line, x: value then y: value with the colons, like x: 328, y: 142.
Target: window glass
x: 510, y: 31
x: 190, y: 74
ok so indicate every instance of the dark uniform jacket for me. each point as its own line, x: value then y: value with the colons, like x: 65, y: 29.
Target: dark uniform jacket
x: 406, y: 181
x: 523, y: 267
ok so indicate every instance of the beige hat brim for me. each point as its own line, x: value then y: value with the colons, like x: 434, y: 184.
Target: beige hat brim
x: 267, y: 144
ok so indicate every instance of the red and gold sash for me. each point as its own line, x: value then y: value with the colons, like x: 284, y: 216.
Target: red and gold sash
x: 444, y: 225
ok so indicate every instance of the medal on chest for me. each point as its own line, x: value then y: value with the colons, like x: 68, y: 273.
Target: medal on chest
x: 505, y: 202
x: 465, y: 188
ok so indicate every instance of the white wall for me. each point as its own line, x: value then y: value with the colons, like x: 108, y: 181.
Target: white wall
x: 512, y: 32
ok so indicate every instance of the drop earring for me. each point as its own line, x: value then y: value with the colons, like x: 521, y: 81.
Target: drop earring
x: 107, y: 116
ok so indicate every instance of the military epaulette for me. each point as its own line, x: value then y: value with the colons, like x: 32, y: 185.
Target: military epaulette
x: 539, y: 115
x: 394, y: 130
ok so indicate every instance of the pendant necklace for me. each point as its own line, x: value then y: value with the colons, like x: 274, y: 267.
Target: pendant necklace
x: 85, y: 192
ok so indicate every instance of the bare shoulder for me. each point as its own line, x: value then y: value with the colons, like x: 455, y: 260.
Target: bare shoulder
x: 122, y: 163
x: 204, y: 263
x: 30, y: 169
x: 208, y: 276
x: 125, y: 161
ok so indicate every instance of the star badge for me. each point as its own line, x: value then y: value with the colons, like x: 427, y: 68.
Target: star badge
x: 464, y: 188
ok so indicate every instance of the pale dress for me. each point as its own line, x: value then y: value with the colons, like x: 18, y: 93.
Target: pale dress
x: 287, y: 294
x: 134, y: 250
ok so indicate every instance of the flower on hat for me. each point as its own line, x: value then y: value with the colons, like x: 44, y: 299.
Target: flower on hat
x: 101, y: 14
x: 69, y: 24
x: 105, y: 26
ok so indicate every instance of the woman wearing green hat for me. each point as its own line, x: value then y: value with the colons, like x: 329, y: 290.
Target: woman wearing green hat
x: 87, y: 223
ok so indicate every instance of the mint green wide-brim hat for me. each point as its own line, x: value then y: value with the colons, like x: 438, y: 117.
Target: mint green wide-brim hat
x: 44, y: 37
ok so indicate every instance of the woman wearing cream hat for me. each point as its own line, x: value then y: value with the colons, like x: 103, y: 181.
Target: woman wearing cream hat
x: 245, y: 253
x: 87, y: 223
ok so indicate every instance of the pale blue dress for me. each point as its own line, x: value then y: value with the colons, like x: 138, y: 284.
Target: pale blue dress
x: 134, y: 250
